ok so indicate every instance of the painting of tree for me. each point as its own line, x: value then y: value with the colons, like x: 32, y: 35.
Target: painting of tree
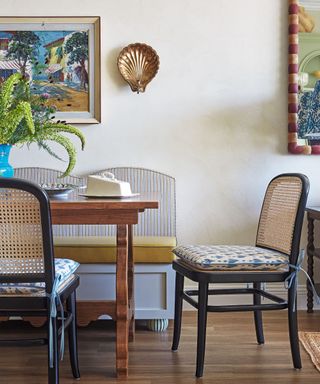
x: 77, y: 48
x: 23, y: 47
x: 60, y: 58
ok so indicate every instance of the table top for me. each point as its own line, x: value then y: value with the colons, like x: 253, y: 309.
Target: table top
x: 77, y: 209
x: 76, y: 200
x: 313, y: 212
x: 311, y: 209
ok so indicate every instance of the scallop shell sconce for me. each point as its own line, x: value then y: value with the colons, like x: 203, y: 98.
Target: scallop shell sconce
x: 138, y: 64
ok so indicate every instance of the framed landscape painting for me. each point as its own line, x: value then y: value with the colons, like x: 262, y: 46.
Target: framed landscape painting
x: 60, y: 56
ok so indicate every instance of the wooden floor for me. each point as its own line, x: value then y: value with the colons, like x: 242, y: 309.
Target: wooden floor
x: 232, y: 354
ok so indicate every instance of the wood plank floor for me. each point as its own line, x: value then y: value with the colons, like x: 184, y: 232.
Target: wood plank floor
x: 232, y: 354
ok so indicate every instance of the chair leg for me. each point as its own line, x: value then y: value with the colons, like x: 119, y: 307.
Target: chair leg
x: 53, y: 373
x: 202, y: 326
x: 293, y: 327
x: 258, y: 315
x: 72, y: 335
x: 177, y: 311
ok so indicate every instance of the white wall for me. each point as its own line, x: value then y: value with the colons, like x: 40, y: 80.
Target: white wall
x: 215, y: 116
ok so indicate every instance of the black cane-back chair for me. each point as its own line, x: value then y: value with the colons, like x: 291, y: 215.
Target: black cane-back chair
x: 275, y: 258
x: 32, y: 283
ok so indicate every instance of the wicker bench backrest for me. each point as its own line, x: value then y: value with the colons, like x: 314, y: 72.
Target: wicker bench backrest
x: 152, y: 222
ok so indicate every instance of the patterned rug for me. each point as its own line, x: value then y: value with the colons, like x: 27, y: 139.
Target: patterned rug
x: 311, y: 343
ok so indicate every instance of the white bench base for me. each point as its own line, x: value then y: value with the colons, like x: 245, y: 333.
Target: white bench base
x: 154, y: 289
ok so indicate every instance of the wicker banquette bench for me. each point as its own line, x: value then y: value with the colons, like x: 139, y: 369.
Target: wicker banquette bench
x: 94, y: 247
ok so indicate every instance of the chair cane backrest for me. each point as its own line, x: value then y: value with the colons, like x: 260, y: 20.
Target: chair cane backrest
x: 49, y: 176
x: 282, y: 214
x: 25, y: 233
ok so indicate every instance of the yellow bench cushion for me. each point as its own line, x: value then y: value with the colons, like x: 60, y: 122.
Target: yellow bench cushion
x: 100, y: 249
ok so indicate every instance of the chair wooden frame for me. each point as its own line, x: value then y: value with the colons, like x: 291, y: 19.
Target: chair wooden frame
x: 35, y: 306
x: 204, y: 278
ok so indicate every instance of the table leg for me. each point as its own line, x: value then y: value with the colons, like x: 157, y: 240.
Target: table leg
x: 122, y: 301
x: 310, y: 251
x: 131, y: 284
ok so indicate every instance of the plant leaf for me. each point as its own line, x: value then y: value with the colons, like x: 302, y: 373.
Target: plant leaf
x: 6, y: 93
x: 27, y: 114
x: 68, y: 146
x: 58, y: 127
x: 46, y: 147
x: 13, y: 118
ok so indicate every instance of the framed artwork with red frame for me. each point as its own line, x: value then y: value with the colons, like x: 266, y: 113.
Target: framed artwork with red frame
x: 304, y: 77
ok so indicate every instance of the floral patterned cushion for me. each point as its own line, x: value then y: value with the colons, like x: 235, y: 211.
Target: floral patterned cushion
x: 232, y: 257
x: 64, y: 268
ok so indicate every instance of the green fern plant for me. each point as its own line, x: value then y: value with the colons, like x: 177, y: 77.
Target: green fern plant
x: 26, y: 119
x: 13, y: 112
x: 51, y: 131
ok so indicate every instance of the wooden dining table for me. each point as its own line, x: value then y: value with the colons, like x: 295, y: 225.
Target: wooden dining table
x: 124, y: 213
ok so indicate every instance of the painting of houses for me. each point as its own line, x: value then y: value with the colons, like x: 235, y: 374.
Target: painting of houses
x: 9, y: 67
x: 55, y: 62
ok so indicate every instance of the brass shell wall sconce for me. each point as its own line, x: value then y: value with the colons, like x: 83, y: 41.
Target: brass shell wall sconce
x: 138, y: 64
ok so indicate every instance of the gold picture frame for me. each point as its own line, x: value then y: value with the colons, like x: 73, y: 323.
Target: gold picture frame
x: 64, y: 64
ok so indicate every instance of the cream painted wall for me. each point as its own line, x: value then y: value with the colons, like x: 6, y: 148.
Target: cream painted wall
x: 215, y: 117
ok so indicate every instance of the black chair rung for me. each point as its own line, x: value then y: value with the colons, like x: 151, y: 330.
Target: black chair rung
x: 246, y: 308
x: 24, y: 342
x: 67, y: 322
x: 238, y: 291
x: 279, y: 303
x: 189, y: 299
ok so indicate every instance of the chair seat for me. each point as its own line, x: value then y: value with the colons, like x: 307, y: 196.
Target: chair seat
x: 232, y: 257
x: 64, y: 268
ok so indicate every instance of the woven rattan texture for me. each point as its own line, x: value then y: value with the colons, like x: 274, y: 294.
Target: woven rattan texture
x: 311, y: 343
x: 278, y: 214
x: 21, y: 250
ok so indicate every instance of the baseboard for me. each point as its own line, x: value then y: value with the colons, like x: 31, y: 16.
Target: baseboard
x: 274, y: 288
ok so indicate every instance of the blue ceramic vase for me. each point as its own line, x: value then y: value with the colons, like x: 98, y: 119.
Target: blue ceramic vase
x: 6, y: 169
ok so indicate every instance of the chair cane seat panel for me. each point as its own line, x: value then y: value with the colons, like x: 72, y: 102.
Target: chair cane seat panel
x: 64, y: 268
x: 232, y: 257
x: 21, y: 233
x: 278, y: 214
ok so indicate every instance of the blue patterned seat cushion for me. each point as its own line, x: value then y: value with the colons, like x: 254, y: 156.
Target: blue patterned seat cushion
x: 232, y: 257
x: 64, y: 268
